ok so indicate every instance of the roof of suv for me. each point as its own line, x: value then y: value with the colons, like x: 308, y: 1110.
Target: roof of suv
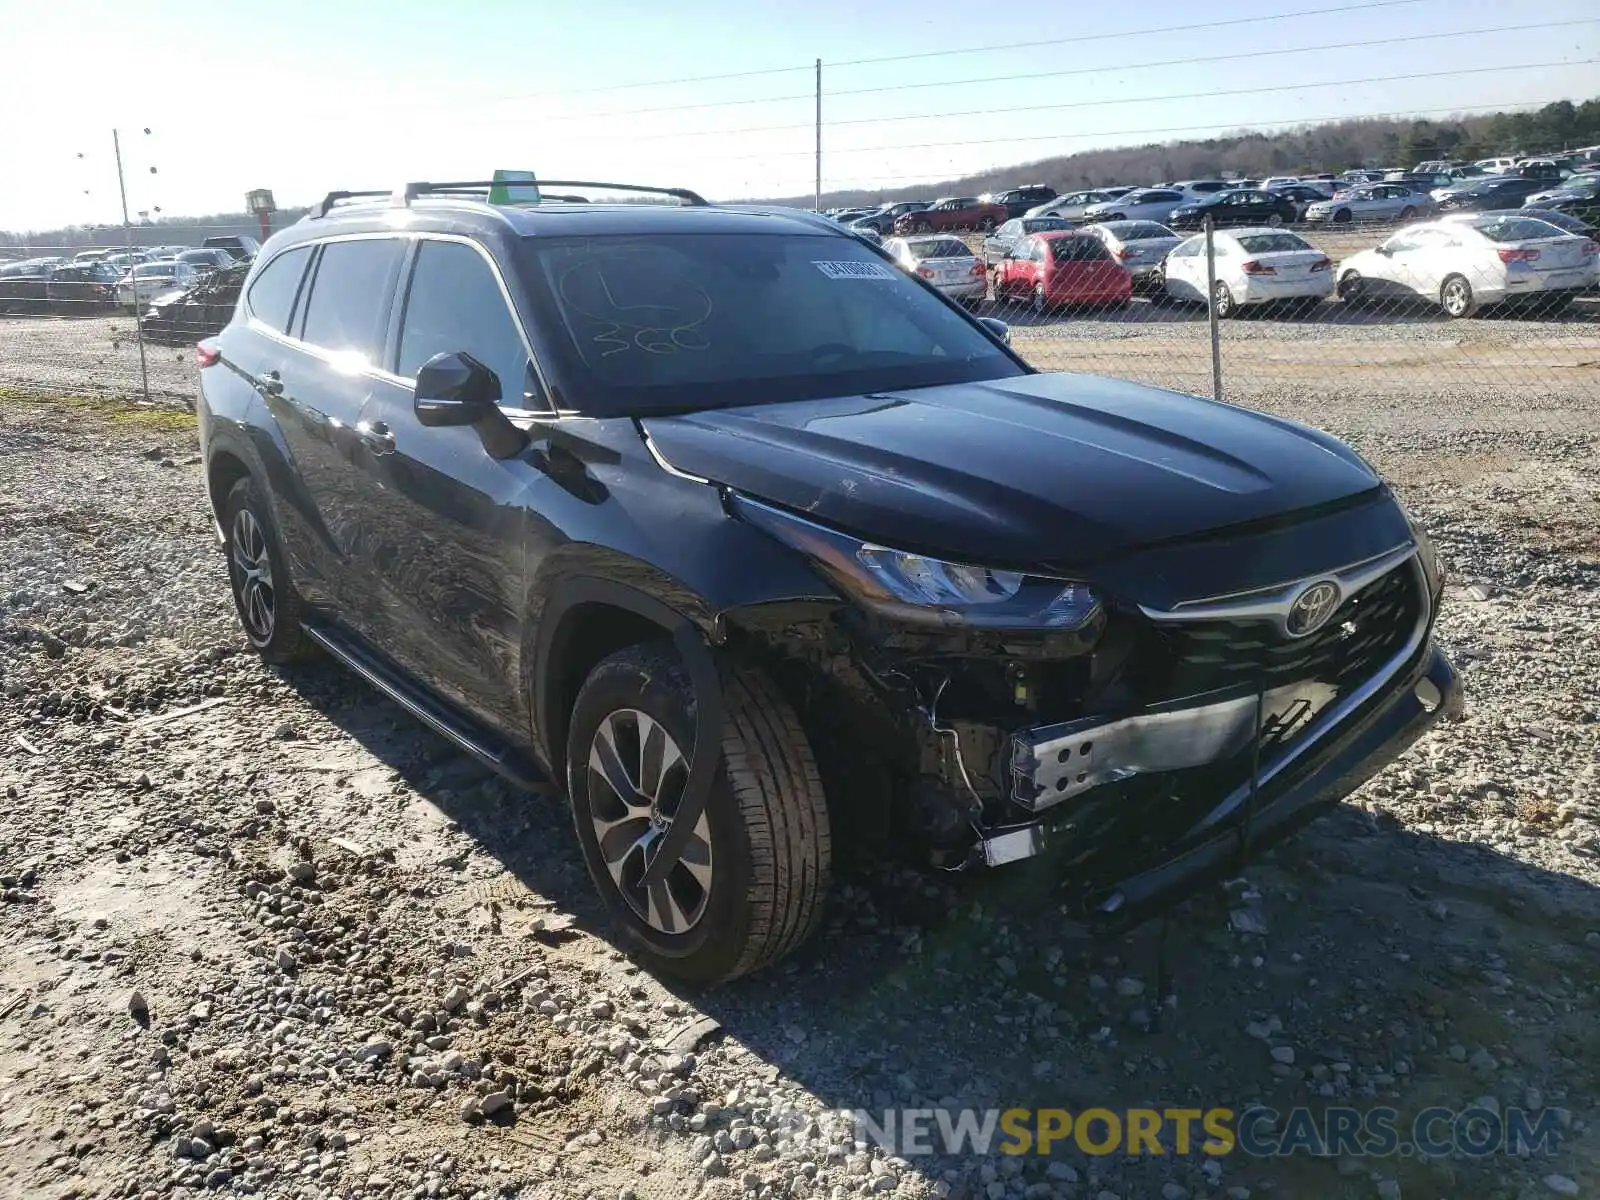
x: 554, y: 219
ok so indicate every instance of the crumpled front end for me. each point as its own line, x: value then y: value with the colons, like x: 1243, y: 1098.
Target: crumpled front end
x: 1149, y: 748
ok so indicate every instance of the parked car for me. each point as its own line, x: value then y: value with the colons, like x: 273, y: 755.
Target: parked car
x: 1241, y: 206
x: 1021, y: 200
x: 1301, y: 195
x: 90, y: 255
x: 188, y: 314
x: 1073, y: 205
x: 1578, y: 196
x: 146, y: 280
x: 882, y: 218
x: 23, y: 285
x: 1140, y: 246
x: 952, y: 213
x: 999, y: 243
x: 1203, y: 187
x: 1496, y: 166
x: 210, y: 259
x: 1066, y: 269
x: 1540, y: 168
x: 1371, y: 202
x: 945, y: 262
x: 1252, y: 266
x: 690, y: 608
x: 241, y: 248
x: 80, y: 288
x: 1466, y: 265
x: 1141, y: 204
x: 1506, y: 191
x: 1560, y: 220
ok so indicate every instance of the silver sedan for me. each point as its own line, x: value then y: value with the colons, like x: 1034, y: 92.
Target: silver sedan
x: 1372, y: 202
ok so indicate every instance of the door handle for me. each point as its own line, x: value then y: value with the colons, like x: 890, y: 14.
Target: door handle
x: 376, y: 436
x: 269, y: 384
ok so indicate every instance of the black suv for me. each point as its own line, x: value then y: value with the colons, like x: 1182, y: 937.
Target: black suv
x: 759, y: 545
x: 1020, y: 200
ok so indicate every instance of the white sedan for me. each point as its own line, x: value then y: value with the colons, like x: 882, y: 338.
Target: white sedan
x: 1253, y: 266
x: 145, y: 281
x: 944, y: 261
x: 1464, y: 265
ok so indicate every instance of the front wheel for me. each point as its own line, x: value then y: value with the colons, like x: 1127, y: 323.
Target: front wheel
x: 1222, y: 297
x: 1275, y: 219
x: 1408, y: 214
x: 269, y: 608
x: 750, y: 883
x: 987, y: 225
x: 1456, y: 298
x: 1342, y: 217
x: 1352, y: 288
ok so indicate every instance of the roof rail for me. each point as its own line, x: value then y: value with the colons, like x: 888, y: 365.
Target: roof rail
x: 414, y: 190
x: 333, y: 198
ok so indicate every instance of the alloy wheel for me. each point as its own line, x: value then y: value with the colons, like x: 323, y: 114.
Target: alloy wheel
x: 1350, y: 287
x: 1457, y: 297
x: 252, y: 564
x: 636, y: 778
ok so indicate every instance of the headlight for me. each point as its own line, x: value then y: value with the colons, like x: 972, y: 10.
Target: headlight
x: 928, y: 591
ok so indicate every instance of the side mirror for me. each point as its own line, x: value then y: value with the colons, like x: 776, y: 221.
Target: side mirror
x: 457, y: 389
x: 997, y: 327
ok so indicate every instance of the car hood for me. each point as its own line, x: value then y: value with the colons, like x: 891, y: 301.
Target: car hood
x: 1045, y: 471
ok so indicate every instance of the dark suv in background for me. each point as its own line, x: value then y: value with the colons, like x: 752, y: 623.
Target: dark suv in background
x: 757, y: 545
x: 1019, y: 200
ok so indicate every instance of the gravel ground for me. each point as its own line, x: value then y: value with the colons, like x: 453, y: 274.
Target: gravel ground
x: 264, y: 934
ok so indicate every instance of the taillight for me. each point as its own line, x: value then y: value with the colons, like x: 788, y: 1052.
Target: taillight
x: 1123, y: 252
x: 1511, y: 256
x: 207, y: 356
x: 925, y: 272
x: 1252, y: 267
x: 1591, y: 248
x: 978, y: 270
x: 1322, y: 264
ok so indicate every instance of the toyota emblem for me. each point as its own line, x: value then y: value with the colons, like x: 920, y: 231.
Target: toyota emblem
x: 1312, y: 607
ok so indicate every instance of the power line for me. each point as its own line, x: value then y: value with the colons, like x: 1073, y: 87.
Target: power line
x: 1173, y: 62
x: 1147, y: 99
x: 1193, y: 27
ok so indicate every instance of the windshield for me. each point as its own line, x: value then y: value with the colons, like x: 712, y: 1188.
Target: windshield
x: 1517, y: 229
x: 1138, y: 231
x: 1268, y: 243
x: 683, y: 321
x: 939, y: 248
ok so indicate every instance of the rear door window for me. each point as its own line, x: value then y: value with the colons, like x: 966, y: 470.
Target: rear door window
x: 349, y: 300
x: 272, y: 292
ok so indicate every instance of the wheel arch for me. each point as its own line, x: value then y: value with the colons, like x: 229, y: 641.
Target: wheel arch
x: 587, y: 619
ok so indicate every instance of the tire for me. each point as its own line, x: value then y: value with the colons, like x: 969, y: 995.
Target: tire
x: 921, y: 227
x: 1227, y: 306
x: 1352, y: 289
x: 269, y: 608
x: 987, y: 225
x: 1342, y: 217
x: 1274, y: 220
x: 1456, y: 298
x: 1408, y: 214
x: 1040, y: 305
x: 765, y: 827
x: 1112, y: 217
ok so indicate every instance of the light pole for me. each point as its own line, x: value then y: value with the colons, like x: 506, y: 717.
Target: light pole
x: 127, y: 236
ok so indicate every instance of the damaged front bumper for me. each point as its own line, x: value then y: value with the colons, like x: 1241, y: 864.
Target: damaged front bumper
x: 1354, y: 744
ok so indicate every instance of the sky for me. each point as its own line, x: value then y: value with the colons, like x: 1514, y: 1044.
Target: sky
x: 308, y: 96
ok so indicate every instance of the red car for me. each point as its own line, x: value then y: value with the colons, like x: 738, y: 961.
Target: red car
x: 953, y: 212
x: 1061, y: 268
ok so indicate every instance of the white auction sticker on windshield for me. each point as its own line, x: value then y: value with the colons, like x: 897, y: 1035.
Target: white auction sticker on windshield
x: 853, y: 270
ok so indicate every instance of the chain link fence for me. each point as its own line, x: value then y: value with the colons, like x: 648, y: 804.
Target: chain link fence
x: 1458, y: 348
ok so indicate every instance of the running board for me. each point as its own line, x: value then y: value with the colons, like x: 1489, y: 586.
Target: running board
x: 492, y: 751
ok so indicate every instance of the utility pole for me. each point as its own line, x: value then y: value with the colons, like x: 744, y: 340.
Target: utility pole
x: 127, y: 236
x: 819, y: 136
